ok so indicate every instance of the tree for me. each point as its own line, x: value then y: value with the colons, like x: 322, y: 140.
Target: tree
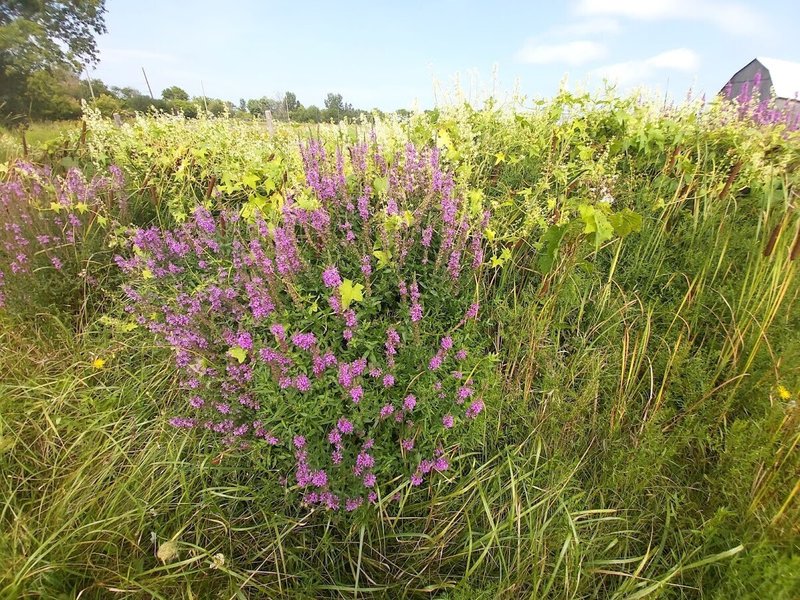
x: 107, y: 105
x: 310, y: 114
x: 44, y: 36
x: 334, y: 103
x: 125, y: 93
x: 336, y: 108
x: 96, y: 89
x: 174, y: 93
x: 259, y: 106
x: 290, y: 102
x: 53, y: 95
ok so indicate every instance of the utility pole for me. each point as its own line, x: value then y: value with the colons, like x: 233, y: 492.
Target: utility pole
x: 89, y: 79
x: 149, y: 89
x: 205, y: 102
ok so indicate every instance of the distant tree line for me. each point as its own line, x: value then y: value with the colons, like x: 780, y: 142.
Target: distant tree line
x: 57, y: 94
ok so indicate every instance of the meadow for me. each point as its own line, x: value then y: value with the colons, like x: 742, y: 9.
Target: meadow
x: 549, y: 351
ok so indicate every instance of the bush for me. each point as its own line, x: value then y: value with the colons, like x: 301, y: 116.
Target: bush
x: 53, y: 238
x: 328, y: 334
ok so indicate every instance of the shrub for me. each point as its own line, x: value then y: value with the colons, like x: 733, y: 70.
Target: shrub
x: 53, y: 237
x: 334, y: 333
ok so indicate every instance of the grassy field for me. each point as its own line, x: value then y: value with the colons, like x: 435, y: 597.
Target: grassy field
x: 38, y: 137
x: 641, y: 429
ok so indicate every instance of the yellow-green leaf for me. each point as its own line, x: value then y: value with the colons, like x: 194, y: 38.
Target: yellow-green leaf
x: 350, y: 292
x: 251, y: 180
x: 238, y: 353
x: 307, y: 202
x: 380, y: 185
x: 384, y: 257
x: 475, y: 198
x: 147, y: 274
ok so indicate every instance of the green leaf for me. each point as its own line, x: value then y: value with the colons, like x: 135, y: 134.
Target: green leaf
x: 384, y: 258
x: 255, y: 205
x: 551, y: 241
x: 251, y: 180
x: 350, y: 293
x: 626, y: 222
x: 596, y: 224
x: 238, y: 353
x: 475, y: 198
x: 380, y: 185
x: 307, y: 202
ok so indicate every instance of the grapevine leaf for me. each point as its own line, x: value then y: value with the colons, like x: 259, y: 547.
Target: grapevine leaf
x: 596, y: 224
x: 626, y: 222
x: 380, y: 185
x: 384, y: 258
x: 350, y: 292
x: 238, y: 353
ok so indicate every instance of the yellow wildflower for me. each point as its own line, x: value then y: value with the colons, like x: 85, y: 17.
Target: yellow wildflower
x: 784, y: 393
x: 99, y: 363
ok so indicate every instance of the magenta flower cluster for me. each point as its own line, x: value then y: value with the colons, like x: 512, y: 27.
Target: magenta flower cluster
x: 329, y: 333
x: 47, y: 220
x: 754, y: 103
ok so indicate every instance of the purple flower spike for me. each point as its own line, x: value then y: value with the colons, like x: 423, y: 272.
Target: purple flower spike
x: 331, y: 277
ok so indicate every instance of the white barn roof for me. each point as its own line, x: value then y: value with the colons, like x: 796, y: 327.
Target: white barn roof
x: 785, y: 76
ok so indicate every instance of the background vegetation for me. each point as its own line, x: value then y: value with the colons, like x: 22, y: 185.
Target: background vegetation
x: 643, y: 443
x: 640, y: 312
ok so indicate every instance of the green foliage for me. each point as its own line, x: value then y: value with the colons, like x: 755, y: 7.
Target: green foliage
x: 54, y: 252
x: 644, y: 443
x: 174, y: 93
x: 37, y: 41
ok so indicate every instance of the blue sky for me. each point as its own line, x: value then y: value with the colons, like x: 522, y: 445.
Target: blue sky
x: 395, y: 54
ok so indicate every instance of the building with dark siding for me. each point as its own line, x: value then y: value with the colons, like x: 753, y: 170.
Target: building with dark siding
x: 765, y: 79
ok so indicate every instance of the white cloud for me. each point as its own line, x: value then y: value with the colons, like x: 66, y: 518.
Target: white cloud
x: 636, y: 71
x: 678, y: 59
x: 571, y: 53
x: 732, y: 17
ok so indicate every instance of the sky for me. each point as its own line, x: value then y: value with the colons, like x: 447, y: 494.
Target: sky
x: 417, y: 53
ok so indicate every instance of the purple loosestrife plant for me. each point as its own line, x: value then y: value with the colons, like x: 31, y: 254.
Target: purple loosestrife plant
x: 53, y: 236
x: 290, y: 333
